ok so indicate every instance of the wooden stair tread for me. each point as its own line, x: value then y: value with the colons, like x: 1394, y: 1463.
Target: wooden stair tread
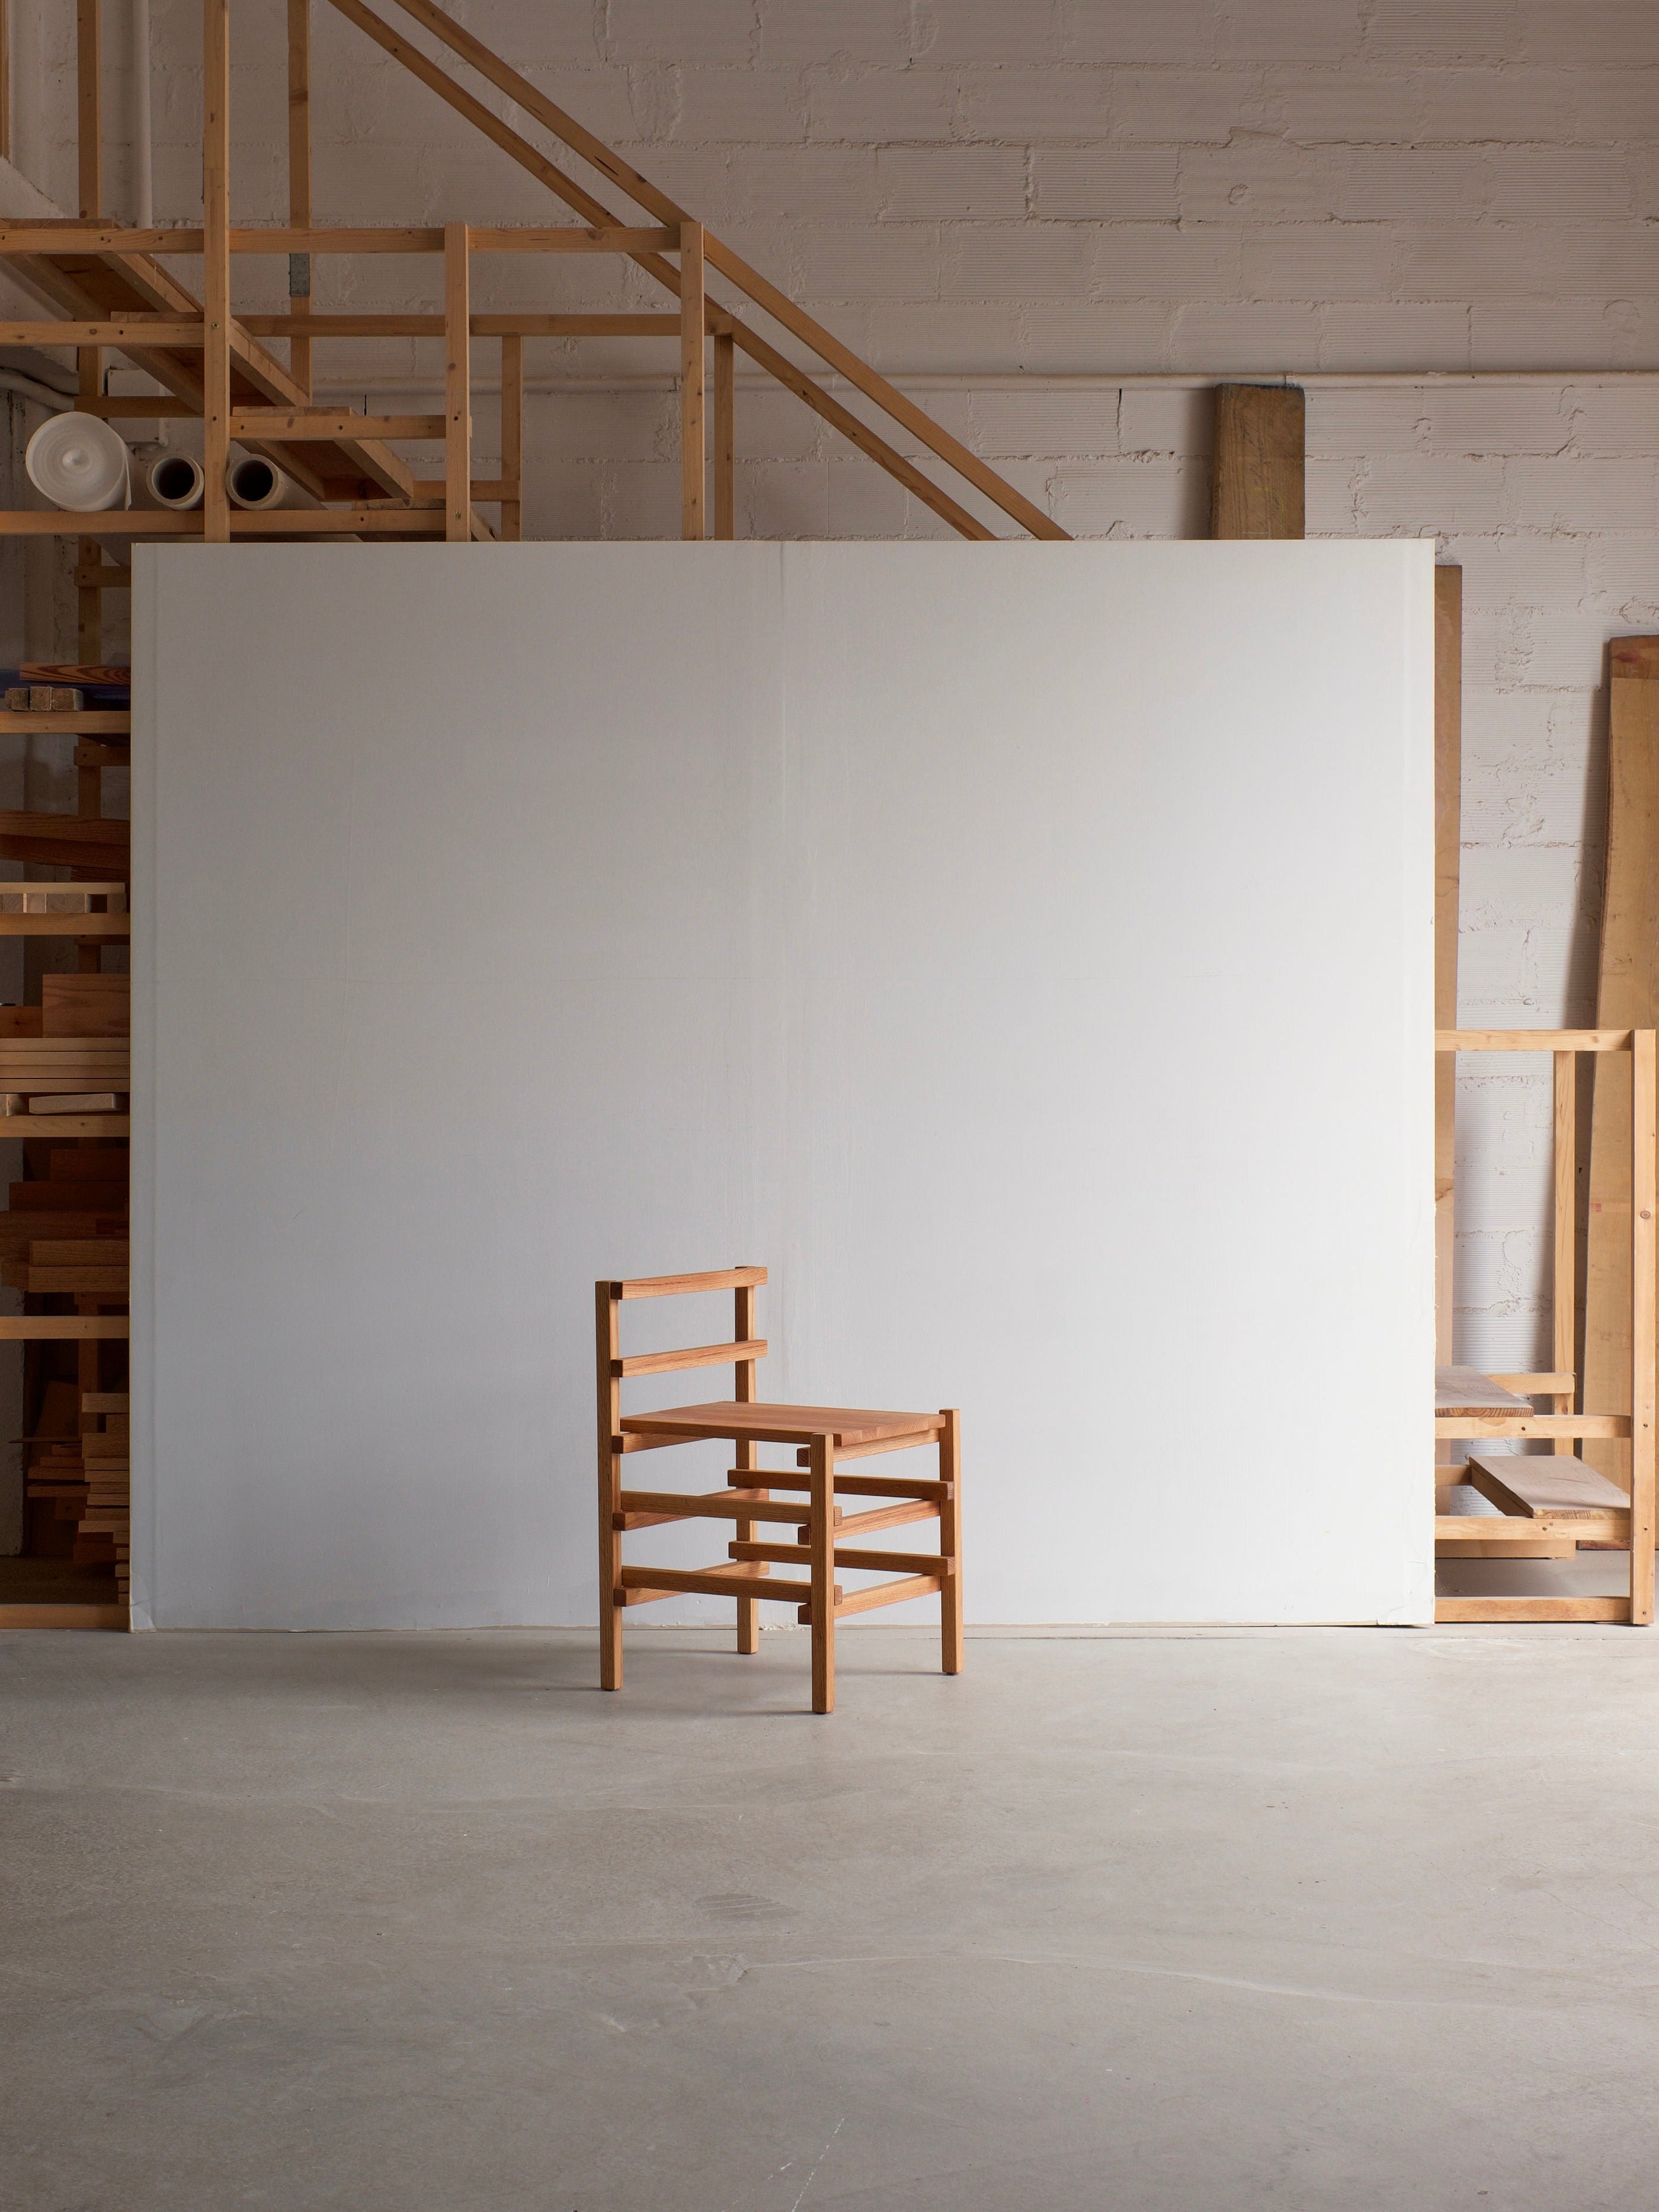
x: 1533, y: 1483
x: 1464, y: 1393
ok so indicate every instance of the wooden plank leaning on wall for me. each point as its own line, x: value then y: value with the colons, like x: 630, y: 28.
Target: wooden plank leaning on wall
x: 1258, y: 471
x: 1627, y: 997
x: 1448, y: 842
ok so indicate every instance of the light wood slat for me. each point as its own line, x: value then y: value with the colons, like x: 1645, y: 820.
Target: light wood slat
x: 66, y: 1125
x: 1532, y: 1040
x: 65, y: 925
x: 866, y: 1601
x: 1449, y: 1609
x: 672, y: 1286
x: 715, y: 1581
x: 1462, y: 1536
x: 709, y: 1505
x: 14, y: 722
x: 326, y: 428
x: 887, y: 1516
x: 696, y: 1355
x: 118, y: 330
x: 1548, y: 1382
x: 856, y: 1485
x: 57, y: 1329
x: 788, y: 1555
x: 64, y: 1616
x: 1538, y: 1425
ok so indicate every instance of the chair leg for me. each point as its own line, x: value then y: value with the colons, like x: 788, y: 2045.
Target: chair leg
x: 611, y: 1614
x: 949, y: 1532
x: 821, y: 1537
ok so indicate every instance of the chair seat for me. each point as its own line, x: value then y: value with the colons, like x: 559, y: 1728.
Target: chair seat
x: 783, y: 1425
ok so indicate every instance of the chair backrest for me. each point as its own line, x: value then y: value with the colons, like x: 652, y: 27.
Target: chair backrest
x: 743, y: 1353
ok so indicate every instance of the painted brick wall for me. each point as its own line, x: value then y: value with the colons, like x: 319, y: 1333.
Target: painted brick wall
x: 985, y: 189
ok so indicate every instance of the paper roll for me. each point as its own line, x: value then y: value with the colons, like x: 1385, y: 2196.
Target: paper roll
x: 176, y: 481
x: 78, y: 463
x: 261, y: 485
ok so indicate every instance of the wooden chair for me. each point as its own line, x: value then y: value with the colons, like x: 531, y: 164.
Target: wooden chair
x: 811, y: 1532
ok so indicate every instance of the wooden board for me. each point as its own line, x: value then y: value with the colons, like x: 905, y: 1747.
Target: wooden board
x: 1522, y: 1483
x: 1258, y: 471
x: 86, y: 1006
x: 1447, y: 847
x: 770, y: 1424
x: 1460, y: 1391
x: 1627, y: 997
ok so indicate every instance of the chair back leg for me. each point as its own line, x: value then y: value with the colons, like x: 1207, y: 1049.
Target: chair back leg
x: 746, y: 1531
x: 821, y: 1468
x: 949, y: 1534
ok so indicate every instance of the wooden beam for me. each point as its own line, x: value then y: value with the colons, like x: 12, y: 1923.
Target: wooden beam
x: 88, y: 108
x: 1448, y: 844
x: 1258, y: 471
x: 726, y: 396
x: 513, y: 438
x: 1627, y: 992
x: 458, y: 389
x: 298, y: 174
x: 694, y: 459
x: 215, y: 268
x: 1644, y: 1319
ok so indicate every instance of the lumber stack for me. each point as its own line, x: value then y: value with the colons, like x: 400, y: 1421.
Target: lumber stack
x: 65, y: 1076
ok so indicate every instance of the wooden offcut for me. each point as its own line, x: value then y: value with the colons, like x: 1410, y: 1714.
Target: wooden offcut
x: 1627, y: 996
x: 1259, y: 468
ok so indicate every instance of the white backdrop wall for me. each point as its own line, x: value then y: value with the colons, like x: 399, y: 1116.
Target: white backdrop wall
x: 1024, y: 951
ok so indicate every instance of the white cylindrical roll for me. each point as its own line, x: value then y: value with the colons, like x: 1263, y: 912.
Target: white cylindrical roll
x: 77, y: 462
x: 260, y: 485
x: 176, y: 480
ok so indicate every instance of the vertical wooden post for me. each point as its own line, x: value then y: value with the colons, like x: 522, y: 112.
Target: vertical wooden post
x: 950, y: 1541
x: 1627, y: 998
x: 5, y: 80
x: 820, y: 1535
x: 1644, y: 1319
x: 1564, y: 1204
x: 88, y: 109
x: 746, y: 1532
x: 513, y: 438
x: 693, y: 457
x: 215, y: 268
x: 457, y: 388
x: 298, y: 178
x: 88, y: 553
x: 607, y: 1351
x: 725, y: 409
x: 1258, y: 474
x: 1448, y: 860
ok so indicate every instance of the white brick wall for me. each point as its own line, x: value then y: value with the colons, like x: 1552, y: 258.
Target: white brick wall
x: 1099, y: 187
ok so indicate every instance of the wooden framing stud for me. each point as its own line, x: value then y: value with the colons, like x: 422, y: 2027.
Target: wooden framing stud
x: 88, y: 107
x: 458, y: 389
x: 513, y: 438
x: 725, y: 398
x: 693, y: 436
x: 215, y: 268
x: 298, y: 177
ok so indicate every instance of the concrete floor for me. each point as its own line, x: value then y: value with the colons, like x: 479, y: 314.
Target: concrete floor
x: 426, y: 1923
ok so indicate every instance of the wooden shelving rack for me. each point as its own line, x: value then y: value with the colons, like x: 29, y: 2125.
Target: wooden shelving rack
x: 63, y: 1236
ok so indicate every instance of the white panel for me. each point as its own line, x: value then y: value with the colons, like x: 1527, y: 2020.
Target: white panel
x: 1024, y: 951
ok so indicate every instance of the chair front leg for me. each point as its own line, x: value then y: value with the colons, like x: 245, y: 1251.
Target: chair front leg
x: 821, y: 1537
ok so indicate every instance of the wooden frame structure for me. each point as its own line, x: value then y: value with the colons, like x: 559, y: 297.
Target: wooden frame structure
x: 1547, y: 1506
x: 811, y: 1532
x: 111, y: 294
